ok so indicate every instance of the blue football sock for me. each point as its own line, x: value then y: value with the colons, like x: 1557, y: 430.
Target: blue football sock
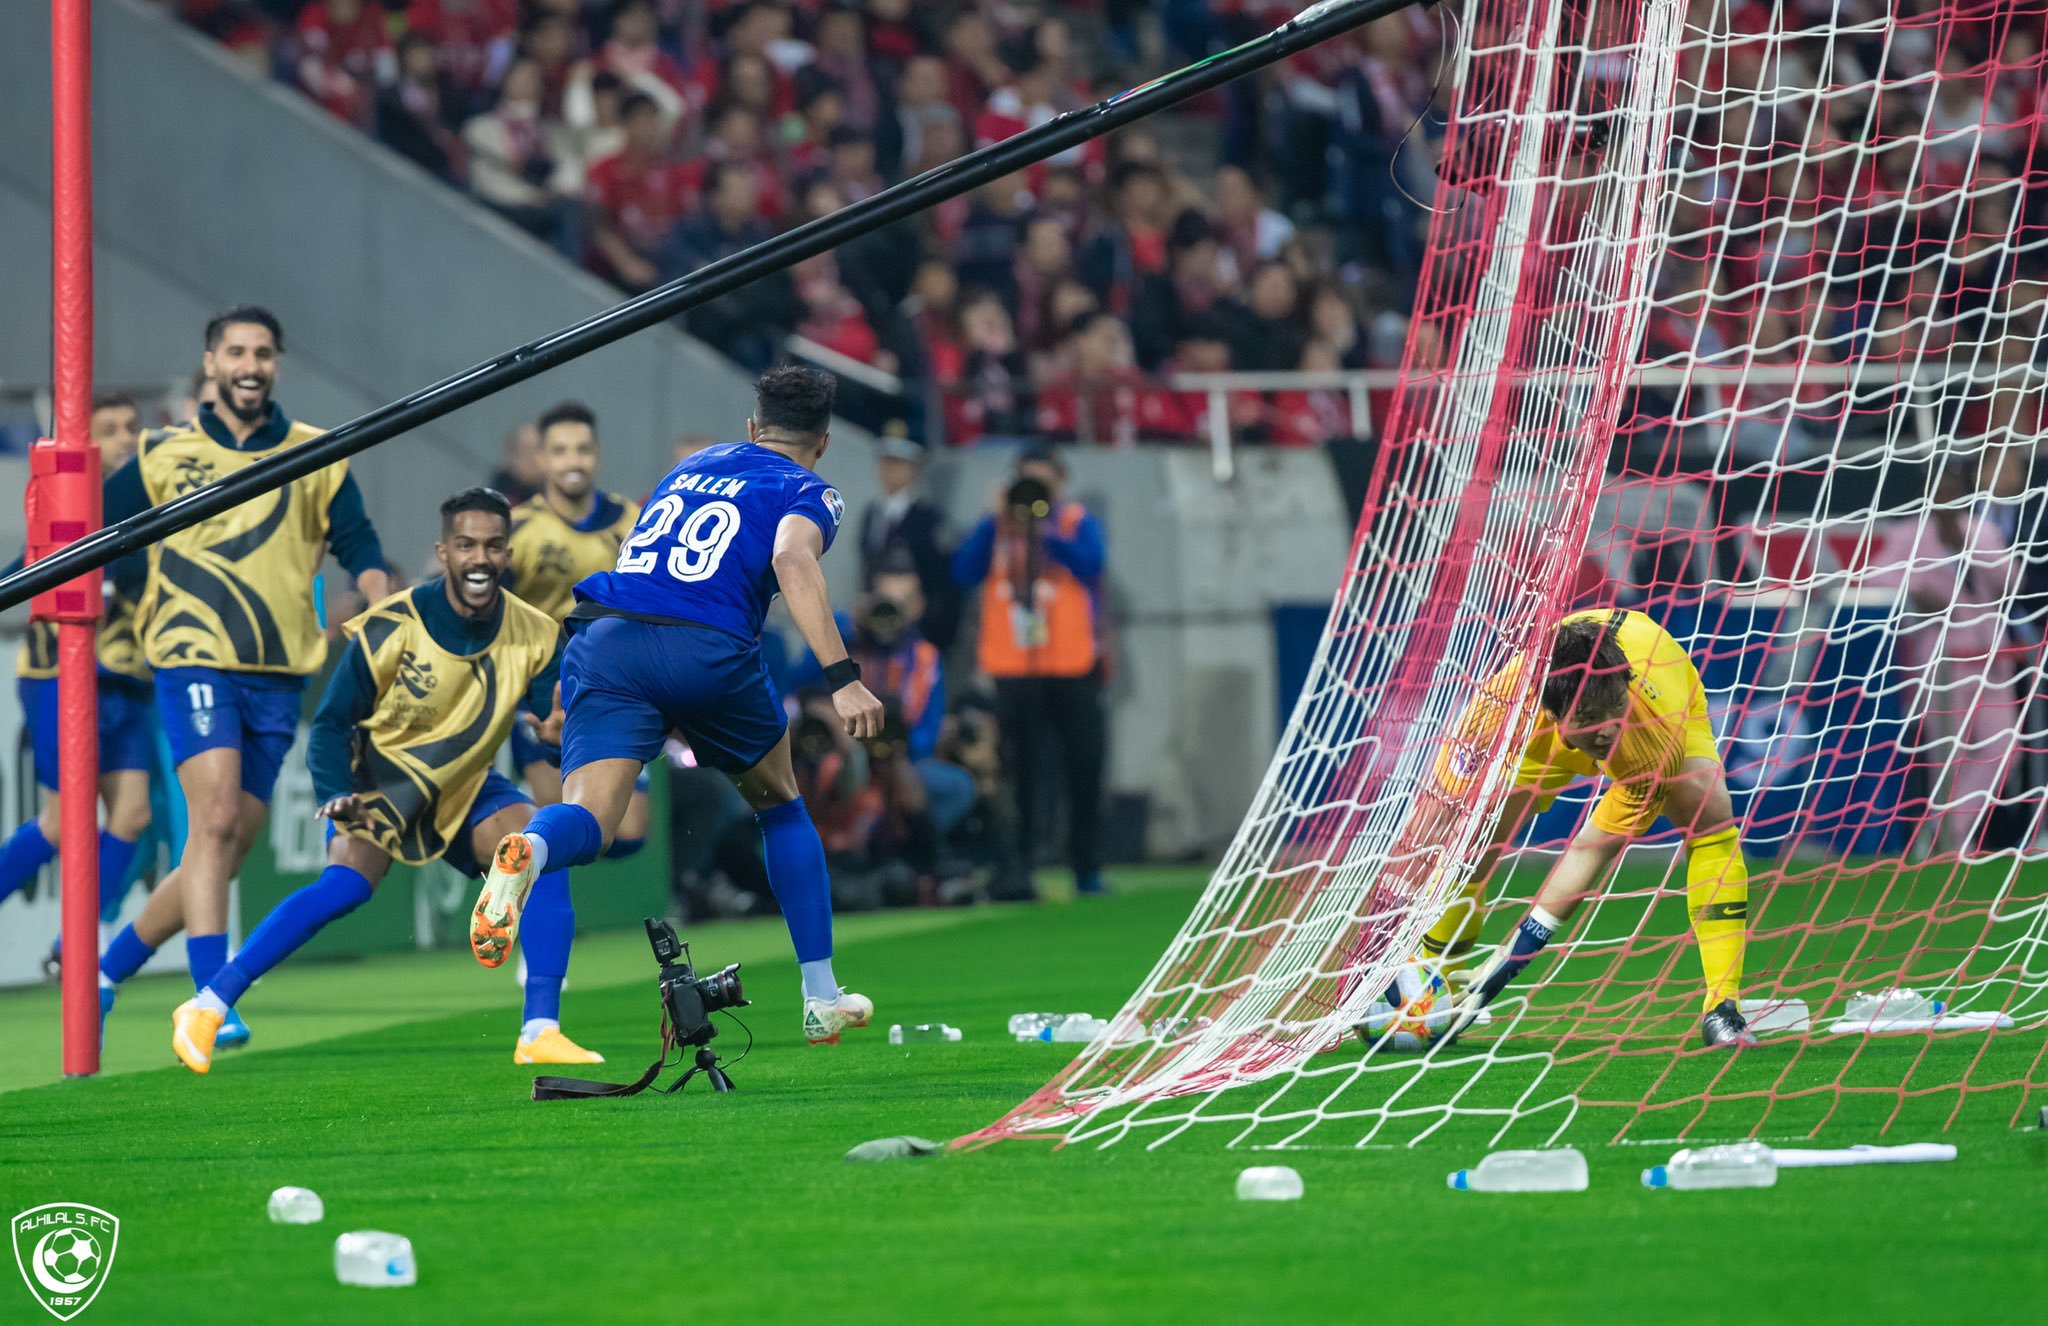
x: 337, y: 892
x: 124, y: 956
x: 622, y: 848
x: 570, y: 834
x: 204, y: 955
x: 116, y: 855
x: 796, y: 873
x: 25, y: 852
x: 547, y: 929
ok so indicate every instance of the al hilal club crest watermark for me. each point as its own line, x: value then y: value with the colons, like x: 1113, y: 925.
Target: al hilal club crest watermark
x: 64, y: 1250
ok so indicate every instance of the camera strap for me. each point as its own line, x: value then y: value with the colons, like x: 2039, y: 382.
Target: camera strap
x: 577, y: 1088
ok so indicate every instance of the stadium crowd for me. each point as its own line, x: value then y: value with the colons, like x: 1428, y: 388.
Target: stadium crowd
x: 644, y: 138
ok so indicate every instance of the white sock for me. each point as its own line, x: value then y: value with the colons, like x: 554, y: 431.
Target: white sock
x: 1546, y: 920
x: 208, y: 999
x: 531, y: 1032
x: 540, y: 854
x: 818, y: 982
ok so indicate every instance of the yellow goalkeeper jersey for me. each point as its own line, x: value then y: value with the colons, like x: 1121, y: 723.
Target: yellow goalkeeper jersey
x: 1666, y: 724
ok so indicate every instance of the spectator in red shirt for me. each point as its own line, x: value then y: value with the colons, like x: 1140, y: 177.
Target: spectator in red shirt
x: 1100, y: 396
x: 553, y: 42
x: 636, y: 199
x: 736, y: 140
x: 633, y: 56
x: 473, y: 39
x: 821, y: 108
x: 974, y: 64
x: 345, y: 55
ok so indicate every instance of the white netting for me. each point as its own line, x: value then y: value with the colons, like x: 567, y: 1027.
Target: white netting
x: 1729, y: 314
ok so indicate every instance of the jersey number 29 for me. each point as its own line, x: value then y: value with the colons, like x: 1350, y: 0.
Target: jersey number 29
x: 700, y: 544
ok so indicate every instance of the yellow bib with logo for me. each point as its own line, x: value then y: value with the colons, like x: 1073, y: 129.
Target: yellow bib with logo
x: 549, y: 555
x: 421, y: 756
x: 116, y: 643
x: 235, y: 591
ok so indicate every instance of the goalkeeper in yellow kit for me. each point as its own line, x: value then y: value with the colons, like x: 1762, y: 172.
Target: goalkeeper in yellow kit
x: 1620, y: 699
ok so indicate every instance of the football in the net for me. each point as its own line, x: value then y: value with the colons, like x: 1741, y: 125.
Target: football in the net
x: 71, y: 1257
x: 1411, y: 1012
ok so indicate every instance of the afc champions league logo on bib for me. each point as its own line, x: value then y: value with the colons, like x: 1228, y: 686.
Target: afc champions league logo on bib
x: 64, y: 1250
x: 835, y: 506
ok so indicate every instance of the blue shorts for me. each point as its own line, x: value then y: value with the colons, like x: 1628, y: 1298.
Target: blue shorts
x: 127, y: 737
x: 497, y: 792
x: 256, y: 713
x: 627, y: 684
x: 529, y: 750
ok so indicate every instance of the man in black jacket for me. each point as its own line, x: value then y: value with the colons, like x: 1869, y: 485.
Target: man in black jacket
x: 903, y: 526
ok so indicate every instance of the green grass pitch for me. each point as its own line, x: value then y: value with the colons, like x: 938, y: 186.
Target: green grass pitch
x: 387, y: 1086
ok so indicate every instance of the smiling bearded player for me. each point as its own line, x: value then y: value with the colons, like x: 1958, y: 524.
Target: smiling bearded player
x: 401, y: 755
x: 228, y: 623
x: 671, y: 639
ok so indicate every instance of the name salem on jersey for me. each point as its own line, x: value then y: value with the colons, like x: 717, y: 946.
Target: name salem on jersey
x: 710, y: 485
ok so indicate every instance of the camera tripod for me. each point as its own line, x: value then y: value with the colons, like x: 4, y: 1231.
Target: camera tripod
x: 707, y: 1064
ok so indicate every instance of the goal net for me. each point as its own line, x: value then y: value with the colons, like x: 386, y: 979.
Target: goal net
x: 1730, y: 314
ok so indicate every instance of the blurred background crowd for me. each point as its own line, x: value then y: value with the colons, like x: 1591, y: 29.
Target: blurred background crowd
x: 1272, y: 225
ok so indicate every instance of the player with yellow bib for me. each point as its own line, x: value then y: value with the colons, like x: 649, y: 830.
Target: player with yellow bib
x: 229, y: 624
x: 401, y: 752
x: 127, y: 731
x: 570, y: 529
x: 1619, y: 699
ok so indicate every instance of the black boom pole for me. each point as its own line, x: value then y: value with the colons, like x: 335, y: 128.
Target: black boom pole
x: 1315, y: 24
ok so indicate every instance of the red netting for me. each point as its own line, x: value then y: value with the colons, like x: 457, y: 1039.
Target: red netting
x: 1729, y: 316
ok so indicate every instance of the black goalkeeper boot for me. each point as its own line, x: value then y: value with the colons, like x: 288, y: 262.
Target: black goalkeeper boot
x: 1725, y: 1025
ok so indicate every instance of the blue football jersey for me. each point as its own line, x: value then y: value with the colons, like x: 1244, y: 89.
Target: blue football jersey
x: 702, y: 550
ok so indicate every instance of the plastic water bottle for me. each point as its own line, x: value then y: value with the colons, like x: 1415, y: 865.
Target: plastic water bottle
x: 374, y: 1259
x: 1891, y: 1006
x: 296, y: 1206
x: 1269, y: 1183
x: 1171, y: 1029
x: 1744, y: 1165
x: 1562, y: 1170
x: 1026, y: 1026
x: 1076, y: 1029
x: 923, y: 1032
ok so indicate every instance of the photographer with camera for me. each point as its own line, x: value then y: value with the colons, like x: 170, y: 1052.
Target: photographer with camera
x: 909, y: 672
x: 1039, y: 560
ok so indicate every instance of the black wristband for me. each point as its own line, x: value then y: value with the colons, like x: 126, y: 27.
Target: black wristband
x: 842, y: 674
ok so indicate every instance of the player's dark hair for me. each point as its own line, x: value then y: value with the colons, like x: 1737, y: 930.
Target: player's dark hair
x: 794, y: 399
x: 568, y: 412
x: 1588, y: 674
x: 111, y: 400
x: 636, y: 103
x: 253, y: 314
x: 475, y: 499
